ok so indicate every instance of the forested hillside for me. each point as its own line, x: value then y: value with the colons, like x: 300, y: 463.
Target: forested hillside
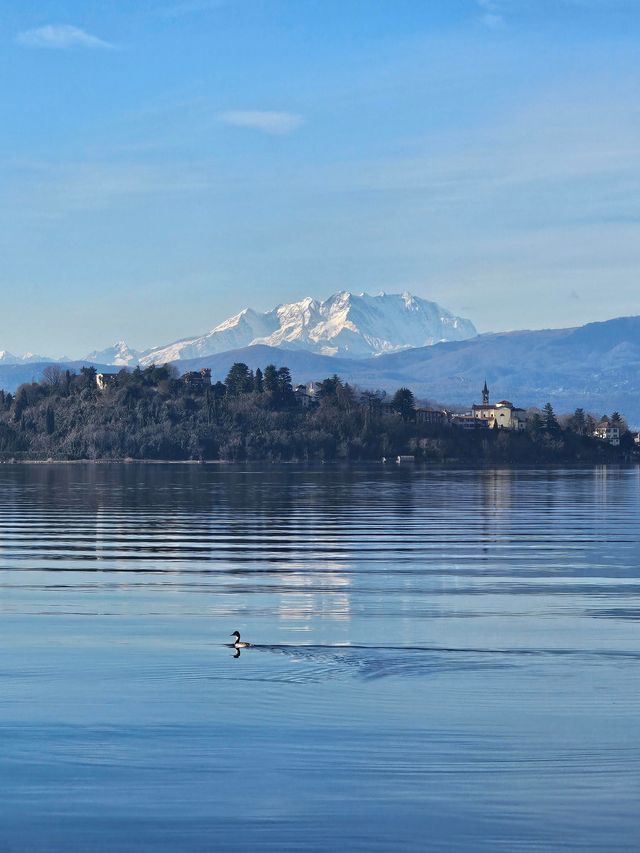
x: 153, y: 414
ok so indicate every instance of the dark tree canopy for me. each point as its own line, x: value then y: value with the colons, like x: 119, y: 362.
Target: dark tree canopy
x: 151, y: 413
x: 404, y: 404
x: 239, y: 379
x: 578, y: 422
x: 549, y: 418
x: 270, y: 380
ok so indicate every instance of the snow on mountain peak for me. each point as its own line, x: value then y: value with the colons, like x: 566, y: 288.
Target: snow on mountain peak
x: 120, y: 355
x: 7, y: 357
x: 346, y: 324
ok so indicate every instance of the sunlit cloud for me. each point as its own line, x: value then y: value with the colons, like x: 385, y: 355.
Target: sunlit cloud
x: 61, y: 37
x: 266, y: 121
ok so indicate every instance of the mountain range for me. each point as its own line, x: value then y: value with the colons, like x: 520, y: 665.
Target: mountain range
x: 378, y: 342
x: 346, y: 324
x: 596, y: 367
x: 119, y: 355
x: 28, y: 358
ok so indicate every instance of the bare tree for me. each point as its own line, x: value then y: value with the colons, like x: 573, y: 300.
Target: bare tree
x: 53, y: 376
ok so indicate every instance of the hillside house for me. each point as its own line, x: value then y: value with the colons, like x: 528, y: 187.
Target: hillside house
x: 432, y: 416
x: 103, y: 380
x: 608, y: 431
x: 197, y: 380
x: 468, y: 421
x: 307, y: 395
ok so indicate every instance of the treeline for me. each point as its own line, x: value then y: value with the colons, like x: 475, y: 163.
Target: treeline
x: 153, y: 414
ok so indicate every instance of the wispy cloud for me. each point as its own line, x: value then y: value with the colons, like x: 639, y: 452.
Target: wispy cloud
x: 49, y: 190
x: 491, y: 14
x: 266, y: 121
x: 61, y: 37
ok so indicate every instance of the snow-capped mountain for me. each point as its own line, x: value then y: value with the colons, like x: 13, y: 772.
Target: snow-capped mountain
x: 7, y: 357
x: 346, y: 324
x: 119, y: 354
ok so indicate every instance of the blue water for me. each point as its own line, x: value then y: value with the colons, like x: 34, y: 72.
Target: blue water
x: 443, y: 660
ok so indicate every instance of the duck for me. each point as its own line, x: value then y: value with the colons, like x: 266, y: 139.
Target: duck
x: 238, y: 644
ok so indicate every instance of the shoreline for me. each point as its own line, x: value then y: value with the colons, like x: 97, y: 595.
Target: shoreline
x: 392, y: 466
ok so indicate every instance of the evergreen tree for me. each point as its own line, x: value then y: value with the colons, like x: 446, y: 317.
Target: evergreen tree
x: 239, y: 379
x: 258, y: 384
x: 535, y: 424
x: 284, y: 380
x: 329, y: 386
x: 89, y: 375
x: 619, y: 421
x: 270, y: 380
x: 578, y: 422
x: 549, y: 418
x: 404, y: 403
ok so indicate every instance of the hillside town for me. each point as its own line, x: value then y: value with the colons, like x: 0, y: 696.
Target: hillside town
x: 486, y: 415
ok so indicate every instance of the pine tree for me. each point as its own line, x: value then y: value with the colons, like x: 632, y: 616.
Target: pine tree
x: 285, y: 387
x: 329, y: 386
x: 270, y: 380
x: 404, y: 403
x: 549, y: 418
x: 239, y: 379
x: 535, y: 425
x: 578, y: 422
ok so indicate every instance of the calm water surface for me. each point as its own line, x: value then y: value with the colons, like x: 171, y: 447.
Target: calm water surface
x: 444, y: 660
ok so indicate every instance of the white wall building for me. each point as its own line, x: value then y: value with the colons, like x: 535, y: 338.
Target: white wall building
x: 501, y: 415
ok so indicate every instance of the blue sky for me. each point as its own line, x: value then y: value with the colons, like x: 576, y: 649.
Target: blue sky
x: 165, y: 163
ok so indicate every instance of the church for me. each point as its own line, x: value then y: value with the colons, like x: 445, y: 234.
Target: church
x: 501, y: 415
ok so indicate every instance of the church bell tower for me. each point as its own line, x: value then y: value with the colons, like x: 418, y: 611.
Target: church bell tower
x: 485, y: 394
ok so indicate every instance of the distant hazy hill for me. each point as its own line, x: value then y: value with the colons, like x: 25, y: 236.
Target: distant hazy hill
x: 346, y: 324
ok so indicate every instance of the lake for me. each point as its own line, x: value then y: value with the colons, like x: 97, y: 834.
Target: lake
x: 443, y: 659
